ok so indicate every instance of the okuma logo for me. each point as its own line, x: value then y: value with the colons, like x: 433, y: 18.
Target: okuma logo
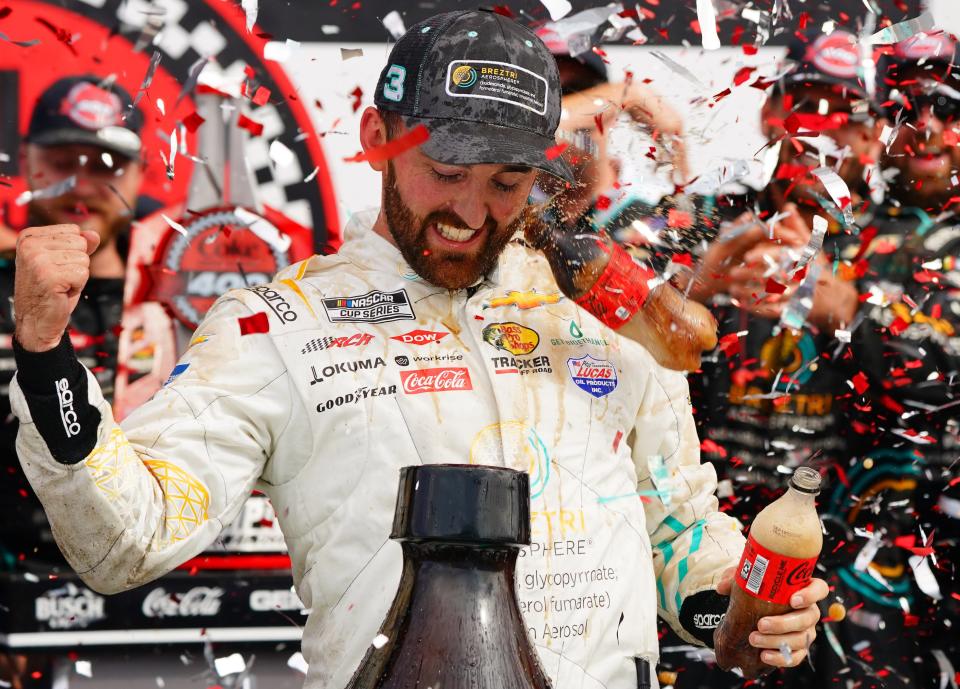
x: 464, y: 76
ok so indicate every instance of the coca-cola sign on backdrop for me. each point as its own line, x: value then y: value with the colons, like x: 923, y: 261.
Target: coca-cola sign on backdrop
x: 200, y: 601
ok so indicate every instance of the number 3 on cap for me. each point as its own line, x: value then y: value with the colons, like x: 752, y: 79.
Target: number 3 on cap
x: 393, y: 84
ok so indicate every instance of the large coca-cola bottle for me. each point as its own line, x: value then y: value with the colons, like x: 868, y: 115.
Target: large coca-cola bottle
x: 778, y: 560
x: 455, y: 622
x: 602, y: 277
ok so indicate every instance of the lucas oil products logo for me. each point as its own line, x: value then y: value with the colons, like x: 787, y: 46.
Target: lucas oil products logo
x: 595, y: 376
x: 372, y: 307
x: 511, y: 337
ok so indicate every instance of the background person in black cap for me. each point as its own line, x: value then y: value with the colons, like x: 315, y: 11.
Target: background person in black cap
x: 774, y: 397
x: 82, y: 165
x: 266, y: 394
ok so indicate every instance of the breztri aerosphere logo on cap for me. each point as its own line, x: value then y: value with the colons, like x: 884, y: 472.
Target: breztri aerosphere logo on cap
x: 500, y: 81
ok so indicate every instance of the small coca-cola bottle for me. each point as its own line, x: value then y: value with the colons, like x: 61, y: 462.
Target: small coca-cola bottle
x: 624, y: 294
x: 455, y: 622
x: 782, y: 549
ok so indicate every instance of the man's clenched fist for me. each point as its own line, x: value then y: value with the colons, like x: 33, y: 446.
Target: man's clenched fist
x: 53, y: 264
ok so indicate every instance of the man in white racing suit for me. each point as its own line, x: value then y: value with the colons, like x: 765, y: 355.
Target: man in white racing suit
x: 435, y: 335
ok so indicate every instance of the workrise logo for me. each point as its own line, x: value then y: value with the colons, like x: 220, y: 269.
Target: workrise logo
x: 344, y: 367
x: 68, y: 416
x: 372, y: 307
x: 273, y: 299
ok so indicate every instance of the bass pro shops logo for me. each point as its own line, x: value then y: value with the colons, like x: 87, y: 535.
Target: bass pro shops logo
x: 511, y: 337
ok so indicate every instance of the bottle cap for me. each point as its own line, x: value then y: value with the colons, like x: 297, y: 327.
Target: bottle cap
x: 463, y: 503
x: 806, y: 480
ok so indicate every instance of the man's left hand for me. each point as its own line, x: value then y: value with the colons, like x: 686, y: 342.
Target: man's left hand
x: 797, y: 628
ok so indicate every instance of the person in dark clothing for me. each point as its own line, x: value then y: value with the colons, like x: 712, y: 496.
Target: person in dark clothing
x: 82, y: 164
x: 806, y: 360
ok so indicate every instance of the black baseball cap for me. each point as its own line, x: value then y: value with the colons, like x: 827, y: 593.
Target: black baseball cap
x: 87, y: 110
x: 486, y: 88
x: 832, y: 59
x: 938, y: 54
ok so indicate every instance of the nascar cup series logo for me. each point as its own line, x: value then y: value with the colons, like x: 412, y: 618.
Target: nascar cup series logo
x: 464, y: 76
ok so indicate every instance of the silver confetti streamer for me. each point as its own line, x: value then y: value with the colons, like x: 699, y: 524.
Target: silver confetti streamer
x: 903, y: 30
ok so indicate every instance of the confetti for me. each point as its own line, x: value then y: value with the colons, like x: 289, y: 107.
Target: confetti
x: 250, y: 8
x: 393, y: 22
x: 298, y: 663
x: 795, y: 313
x: 379, y: 641
x: 558, y: 9
x: 175, y: 225
x: 836, y: 612
x: 252, y: 126
x: 838, y: 190
x: 22, y: 44
x: 147, y: 79
x: 903, y: 30
x: 51, y: 192
x: 707, y: 18
x: 348, y: 53
x: 83, y: 668
x: 277, y: 51
x: 229, y: 665
x: 394, y: 147
x: 264, y: 229
x: 252, y: 325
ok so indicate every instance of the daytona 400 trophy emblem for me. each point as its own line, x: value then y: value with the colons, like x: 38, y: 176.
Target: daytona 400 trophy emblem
x: 183, y: 258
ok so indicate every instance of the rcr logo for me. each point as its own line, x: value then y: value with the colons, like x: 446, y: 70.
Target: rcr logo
x: 68, y: 416
x: 707, y: 620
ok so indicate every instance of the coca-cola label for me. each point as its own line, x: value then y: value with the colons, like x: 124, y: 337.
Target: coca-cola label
x: 419, y: 337
x: 770, y: 576
x: 200, y: 601
x: 435, y: 380
x: 69, y: 607
x: 595, y: 376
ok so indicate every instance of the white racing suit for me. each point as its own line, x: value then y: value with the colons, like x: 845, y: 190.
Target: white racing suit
x: 365, y: 369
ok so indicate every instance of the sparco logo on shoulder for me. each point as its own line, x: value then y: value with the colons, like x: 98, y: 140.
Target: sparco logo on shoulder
x: 435, y: 380
x: 200, y: 601
x: 69, y: 607
x: 272, y: 298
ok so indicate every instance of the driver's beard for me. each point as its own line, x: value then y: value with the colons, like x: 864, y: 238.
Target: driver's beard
x: 447, y: 270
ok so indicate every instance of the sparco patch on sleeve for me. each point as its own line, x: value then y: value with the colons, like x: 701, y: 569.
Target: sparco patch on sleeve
x: 499, y: 81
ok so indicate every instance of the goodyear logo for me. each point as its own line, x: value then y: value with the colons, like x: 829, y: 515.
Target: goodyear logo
x: 511, y: 337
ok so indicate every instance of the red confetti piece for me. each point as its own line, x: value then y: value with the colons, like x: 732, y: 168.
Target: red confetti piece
x: 598, y: 118
x: 898, y: 326
x: 679, y: 218
x: 504, y: 10
x: 684, y: 259
x: 950, y: 137
x: 555, y: 152
x: 192, y: 122
x: 730, y: 344
x: 252, y: 325
x: 616, y: 440
x: 603, y: 202
x: 749, y: 50
x: 803, y: 19
x: 709, y: 446
x: 261, y: 96
x: 248, y: 70
x: 743, y: 74
x: 244, y: 122
x: 394, y: 147
x: 357, y: 95
x: 860, y: 383
x: 774, y: 287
